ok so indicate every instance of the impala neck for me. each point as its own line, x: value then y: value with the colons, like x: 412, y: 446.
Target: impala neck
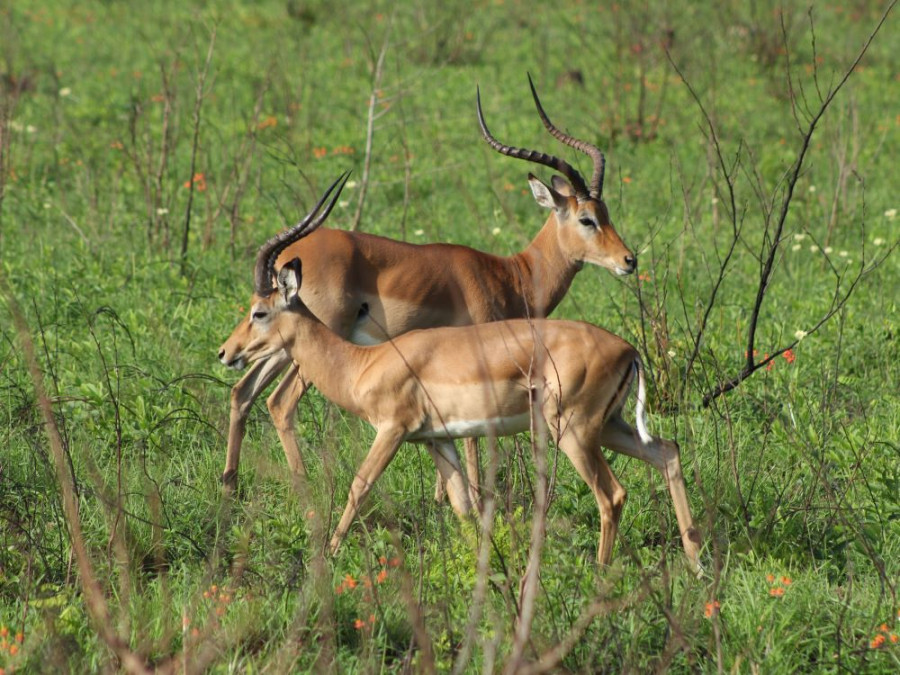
x: 543, y: 270
x: 325, y: 359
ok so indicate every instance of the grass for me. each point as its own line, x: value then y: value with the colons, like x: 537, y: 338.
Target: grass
x: 794, y: 475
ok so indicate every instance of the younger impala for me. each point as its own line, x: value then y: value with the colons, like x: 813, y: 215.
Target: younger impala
x: 432, y: 386
x: 369, y: 289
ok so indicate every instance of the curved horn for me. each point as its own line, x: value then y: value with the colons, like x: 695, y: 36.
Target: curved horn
x: 268, y: 252
x: 592, y: 151
x: 555, y: 163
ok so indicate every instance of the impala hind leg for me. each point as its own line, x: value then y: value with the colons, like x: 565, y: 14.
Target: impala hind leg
x: 450, y: 473
x: 619, y: 436
x: 380, y: 455
x: 282, y: 405
x: 608, y: 491
x: 243, y: 394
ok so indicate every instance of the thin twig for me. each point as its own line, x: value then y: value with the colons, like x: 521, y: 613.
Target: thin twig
x: 195, y: 145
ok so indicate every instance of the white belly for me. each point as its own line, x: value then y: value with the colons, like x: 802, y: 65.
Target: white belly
x: 493, y: 426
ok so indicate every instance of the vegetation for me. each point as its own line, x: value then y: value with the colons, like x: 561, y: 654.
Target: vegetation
x: 147, y: 149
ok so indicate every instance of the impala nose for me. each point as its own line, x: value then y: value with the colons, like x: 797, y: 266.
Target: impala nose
x: 222, y: 355
x: 630, y: 263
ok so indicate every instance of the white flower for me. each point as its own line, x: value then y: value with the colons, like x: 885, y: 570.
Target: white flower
x: 671, y: 353
x: 350, y: 184
x: 46, y: 205
x: 495, y: 231
x: 796, y: 247
x: 878, y: 241
x: 343, y: 204
x: 30, y: 129
x: 162, y: 212
x: 714, y: 200
x: 65, y: 91
x: 813, y: 248
x: 799, y: 236
x: 827, y: 250
x: 843, y: 254
x: 419, y: 233
x: 890, y: 214
x: 812, y: 188
x: 800, y: 334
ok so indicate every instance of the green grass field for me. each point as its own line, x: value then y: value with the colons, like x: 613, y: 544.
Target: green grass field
x: 147, y: 150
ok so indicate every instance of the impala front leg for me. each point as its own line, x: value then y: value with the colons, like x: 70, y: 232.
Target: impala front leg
x: 243, y: 394
x: 473, y: 472
x: 450, y: 474
x: 380, y: 455
x: 283, y: 407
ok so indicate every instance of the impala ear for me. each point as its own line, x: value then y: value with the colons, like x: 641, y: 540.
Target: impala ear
x: 289, y: 278
x: 562, y: 186
x: 547, y: 196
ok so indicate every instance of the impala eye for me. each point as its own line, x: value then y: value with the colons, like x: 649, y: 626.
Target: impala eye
x: 587, y: 222
x: 259, y: 315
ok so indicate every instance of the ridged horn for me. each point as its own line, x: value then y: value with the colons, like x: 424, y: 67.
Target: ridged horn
x: 592, y: 151
x: 554, y: 163
x: 268, y: 252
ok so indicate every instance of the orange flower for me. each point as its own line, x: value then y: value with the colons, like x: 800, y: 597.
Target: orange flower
x: 319, y: 153
x: 770, y: 578
x: 644, y: 276
x: 4, y: 631
x: 382, y: 576
x: 20, y: 637
x: 789, y: 356
x: 877, y: 641
x: 787, y: 581
x: 894, y: 638
x: 14, y: 649
x: 712, y: 609
x: 359, y: 624
x: 270, y: 121
x: 371, y: 618
x: 382, y: 560
x: 395, y: 562
x: 350, y: 581
x: 776, y: 591
x: 883, y: 628
x: 198, y: 182
x: 626, y: 179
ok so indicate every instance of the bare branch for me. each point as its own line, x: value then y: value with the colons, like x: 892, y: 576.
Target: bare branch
x: 370, y: 131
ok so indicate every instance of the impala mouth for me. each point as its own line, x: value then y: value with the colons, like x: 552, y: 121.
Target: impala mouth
x: 238, y: 363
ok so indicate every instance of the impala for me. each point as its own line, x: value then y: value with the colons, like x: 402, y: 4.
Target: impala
x: 368, y: 289
x: 431, y: 386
